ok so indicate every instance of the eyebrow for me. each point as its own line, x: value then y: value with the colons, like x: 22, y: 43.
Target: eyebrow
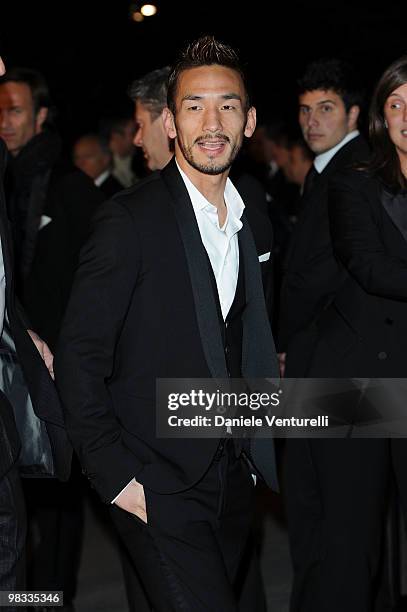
x: 228, y: 96
x: 328, y: 100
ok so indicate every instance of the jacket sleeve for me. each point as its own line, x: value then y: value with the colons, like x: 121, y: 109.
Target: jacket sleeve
x: 107, y: 275
x: 358, y: 240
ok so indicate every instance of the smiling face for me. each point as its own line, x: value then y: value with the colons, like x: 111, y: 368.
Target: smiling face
x: 324, y: 120
x: 210, y: 119
x: 395, y: 114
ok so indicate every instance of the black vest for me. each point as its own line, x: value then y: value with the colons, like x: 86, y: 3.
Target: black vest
x: 232, y: 327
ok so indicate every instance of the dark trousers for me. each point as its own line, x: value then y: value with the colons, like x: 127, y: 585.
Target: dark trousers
x: 55, y: 512
x: 12, y: 534
x: 336, y: 495
x: 190, y: 555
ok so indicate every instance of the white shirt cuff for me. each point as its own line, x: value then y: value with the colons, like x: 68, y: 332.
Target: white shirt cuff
x: 127, y: 485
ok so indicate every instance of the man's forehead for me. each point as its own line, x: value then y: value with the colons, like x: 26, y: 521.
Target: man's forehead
x: 207, y: 80
x: 319, y: 96
x: 15, y: 92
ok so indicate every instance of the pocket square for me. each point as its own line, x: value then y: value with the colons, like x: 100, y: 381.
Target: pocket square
x: 264, y: 257
x: 44, y: 221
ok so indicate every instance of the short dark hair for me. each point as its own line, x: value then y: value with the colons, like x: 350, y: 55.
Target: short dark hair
x: 204, y: 51
x: 385, y: 161
x: 35, y: 81
x: 151, y: 90
x: 335, y: 74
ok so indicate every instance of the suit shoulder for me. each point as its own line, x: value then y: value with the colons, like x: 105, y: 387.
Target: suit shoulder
x: 351, y: 156
x: 146, y: 192
x: 354, y: 178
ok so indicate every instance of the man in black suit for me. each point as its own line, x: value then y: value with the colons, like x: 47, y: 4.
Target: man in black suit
x: 330, y: 101
x: 50, y: 204
x: 149, y: 94
x: 169, y: 285
x: 34, y: 357
x: 329, y: 106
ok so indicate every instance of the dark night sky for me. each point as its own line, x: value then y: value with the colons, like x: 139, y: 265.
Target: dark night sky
x: 90, y: 51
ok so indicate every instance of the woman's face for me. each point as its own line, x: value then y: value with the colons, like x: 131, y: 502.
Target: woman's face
x: 395, y: 114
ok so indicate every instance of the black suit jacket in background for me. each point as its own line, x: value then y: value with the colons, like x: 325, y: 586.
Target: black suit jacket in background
x: 143, y: 307
x: 363, y: 333
x: 41, y: 388
x: 311, y: 272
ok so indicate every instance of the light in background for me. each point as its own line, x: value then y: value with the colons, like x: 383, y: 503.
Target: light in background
x: 139, y: 10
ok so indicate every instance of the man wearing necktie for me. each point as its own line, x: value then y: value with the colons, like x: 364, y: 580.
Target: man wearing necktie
x: 329, y: 107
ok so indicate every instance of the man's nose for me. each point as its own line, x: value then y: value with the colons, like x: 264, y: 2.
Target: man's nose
x: 4, y: 119
x: 212, y: 120
x: 137, y: 140
x: 312, y: 119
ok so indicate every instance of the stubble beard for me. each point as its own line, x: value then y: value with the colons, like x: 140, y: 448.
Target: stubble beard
x: 210, y: 169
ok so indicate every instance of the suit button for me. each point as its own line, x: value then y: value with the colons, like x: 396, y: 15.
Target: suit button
x: 389, y: 321
x: 226, y: 350
x: 382, y: 355
x: 226, y: 324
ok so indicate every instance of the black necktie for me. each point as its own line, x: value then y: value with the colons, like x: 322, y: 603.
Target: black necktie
x: 310, y: 180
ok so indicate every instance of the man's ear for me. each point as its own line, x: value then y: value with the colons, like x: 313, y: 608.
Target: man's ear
x: 169, y: 123
x: 40, y: 119
x: 353, y: 116
x: 250, y: 122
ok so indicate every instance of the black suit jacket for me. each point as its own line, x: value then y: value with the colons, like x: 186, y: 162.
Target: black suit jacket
x: 110, y: 186
x: 311, y: 272
x: 364, y: 331
x: 42, y: 390
x: 143, y: 307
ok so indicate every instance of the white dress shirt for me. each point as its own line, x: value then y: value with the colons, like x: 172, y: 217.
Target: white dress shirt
x: 322, y: 160
x: 101, y: 178
x: 221, y: 243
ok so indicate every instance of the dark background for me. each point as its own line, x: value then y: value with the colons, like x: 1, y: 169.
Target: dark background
x: 90, y: 51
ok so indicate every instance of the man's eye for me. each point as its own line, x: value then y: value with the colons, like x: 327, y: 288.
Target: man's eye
x: 194, y: 108
x: 395, y: 105
x: 304, y: 110
x: 228, y: 107
x: 326, y: 108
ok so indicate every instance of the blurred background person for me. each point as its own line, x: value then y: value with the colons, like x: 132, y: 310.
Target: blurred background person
x: 149, y: 94
x: 298, y: 163
x: 119, y: 134
x: 44, y: 400
x: 92, y: 155
x: 50, y: 205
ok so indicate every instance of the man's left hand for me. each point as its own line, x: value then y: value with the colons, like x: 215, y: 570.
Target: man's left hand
x: 44, y: 351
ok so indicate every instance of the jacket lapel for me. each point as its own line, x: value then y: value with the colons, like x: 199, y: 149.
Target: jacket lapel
x: 396, y: 207
x: 258, y: 354
x: 205, y: 305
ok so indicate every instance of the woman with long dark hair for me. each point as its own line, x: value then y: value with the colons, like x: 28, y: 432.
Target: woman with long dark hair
x: 362, y: 334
